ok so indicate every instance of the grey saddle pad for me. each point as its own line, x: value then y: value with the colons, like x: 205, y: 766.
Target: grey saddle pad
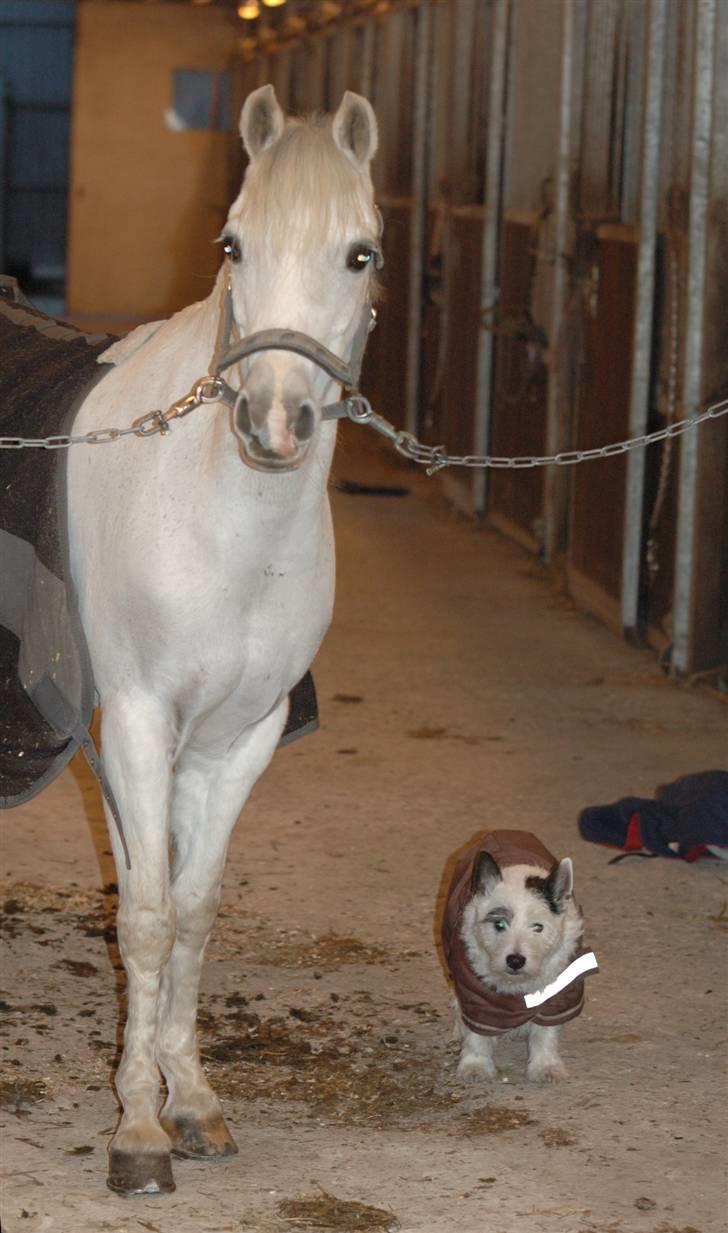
x: 46, y: 683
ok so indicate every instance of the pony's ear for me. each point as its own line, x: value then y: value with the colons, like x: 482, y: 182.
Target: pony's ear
x: 486, y: 872
x: 261, y: 121
x: 355, y: 129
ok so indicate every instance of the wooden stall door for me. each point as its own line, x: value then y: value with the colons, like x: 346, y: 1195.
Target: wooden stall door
x: 598, y: 488
x: 520, y: 390
x: 450, y: 334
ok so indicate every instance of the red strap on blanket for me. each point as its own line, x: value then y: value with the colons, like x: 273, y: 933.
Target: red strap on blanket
x: 633, y: 838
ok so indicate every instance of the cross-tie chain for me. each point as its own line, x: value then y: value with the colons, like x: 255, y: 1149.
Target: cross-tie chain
x: 435, y: 457
x: 356, y: 407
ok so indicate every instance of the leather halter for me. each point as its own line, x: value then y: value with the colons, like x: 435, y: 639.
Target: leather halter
x: 345, y: 372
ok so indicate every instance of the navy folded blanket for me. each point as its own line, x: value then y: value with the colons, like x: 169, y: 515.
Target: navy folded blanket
x: 687, y: 819
x: 46, y: 682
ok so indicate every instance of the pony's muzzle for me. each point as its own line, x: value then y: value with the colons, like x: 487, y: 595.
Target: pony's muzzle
x: 273, y: 437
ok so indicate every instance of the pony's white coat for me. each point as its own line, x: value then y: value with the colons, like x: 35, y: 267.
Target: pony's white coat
x: 206, y: 588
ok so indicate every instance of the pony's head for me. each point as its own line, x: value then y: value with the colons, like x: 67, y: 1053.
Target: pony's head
x: 301, y: 242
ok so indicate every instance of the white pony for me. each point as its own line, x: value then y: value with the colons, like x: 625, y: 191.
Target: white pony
x: 204, y: 563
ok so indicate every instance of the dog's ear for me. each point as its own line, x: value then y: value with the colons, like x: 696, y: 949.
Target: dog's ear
x: 485, y: 874
x: 559, y: 885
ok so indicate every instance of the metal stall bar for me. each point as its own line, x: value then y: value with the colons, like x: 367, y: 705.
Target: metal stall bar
x: 419, y: 207
x: 557, y: 410
x: 366, y: 82
x: 497, y: 108
x: 645, y: 298
x: 4, y: 169
x: 703, y: 75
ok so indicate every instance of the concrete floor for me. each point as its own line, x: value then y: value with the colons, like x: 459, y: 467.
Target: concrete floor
x: 457, y: 691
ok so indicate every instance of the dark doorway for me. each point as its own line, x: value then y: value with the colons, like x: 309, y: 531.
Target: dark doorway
x: 36, y: 60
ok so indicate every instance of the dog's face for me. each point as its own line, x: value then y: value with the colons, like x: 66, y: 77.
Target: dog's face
x: 521, y: 926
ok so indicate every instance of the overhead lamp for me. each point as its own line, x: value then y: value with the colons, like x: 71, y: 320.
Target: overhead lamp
x: 249, y: 10
x: 273, y: 4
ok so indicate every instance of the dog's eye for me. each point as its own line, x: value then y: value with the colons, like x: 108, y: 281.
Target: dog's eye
x: 537, y: 928
x: 499, y: 926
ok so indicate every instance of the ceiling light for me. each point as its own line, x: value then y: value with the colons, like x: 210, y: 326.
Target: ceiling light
x: 273, y: 4
x: 249, y: 10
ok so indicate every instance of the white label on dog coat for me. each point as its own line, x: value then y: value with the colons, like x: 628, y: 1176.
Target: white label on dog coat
x: 585, y: 963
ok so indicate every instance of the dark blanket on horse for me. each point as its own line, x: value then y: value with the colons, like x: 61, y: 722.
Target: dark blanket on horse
x: 46, y: 683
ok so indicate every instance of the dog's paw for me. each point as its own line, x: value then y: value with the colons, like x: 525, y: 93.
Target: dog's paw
x: 547, y: 1072
x: 475, y: 1070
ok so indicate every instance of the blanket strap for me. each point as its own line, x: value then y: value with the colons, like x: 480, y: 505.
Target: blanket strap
x: 93, y: 757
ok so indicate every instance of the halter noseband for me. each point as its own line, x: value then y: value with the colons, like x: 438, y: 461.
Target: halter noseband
x: 346, y: 373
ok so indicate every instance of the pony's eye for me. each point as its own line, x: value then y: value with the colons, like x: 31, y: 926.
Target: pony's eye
x: 231, y: 248
x: 359, y: 257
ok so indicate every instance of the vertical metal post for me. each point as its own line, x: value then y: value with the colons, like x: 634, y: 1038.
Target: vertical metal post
x: 493, y: 194
x: 419, y: 208
x: 644, y: 305
x: 556, y: 419
x: 366, y: 86
x: 4, y: 170
x: 703, y: 75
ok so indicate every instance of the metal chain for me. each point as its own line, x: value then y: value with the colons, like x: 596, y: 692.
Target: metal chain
x: 206, y: 390
x: 359, y: 411
x: 435, y: 457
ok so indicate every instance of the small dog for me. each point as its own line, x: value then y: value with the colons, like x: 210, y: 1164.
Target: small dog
x: 512, y: 936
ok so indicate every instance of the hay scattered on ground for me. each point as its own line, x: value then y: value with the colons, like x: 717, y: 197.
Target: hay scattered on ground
x: 555, y: 1136
x: 16, y: 1094
x: 353, y: 1077
x: 342, y: 1063
x: 325, y: 953
x: 329, y: 1215
x: 493, y: 1120
x: 18, y: 897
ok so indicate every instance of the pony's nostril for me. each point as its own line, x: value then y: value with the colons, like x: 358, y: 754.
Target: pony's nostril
x: 305, y: 421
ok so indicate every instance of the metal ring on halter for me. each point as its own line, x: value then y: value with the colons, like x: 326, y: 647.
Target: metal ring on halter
x: 358, y: 408
x: 215, y: 387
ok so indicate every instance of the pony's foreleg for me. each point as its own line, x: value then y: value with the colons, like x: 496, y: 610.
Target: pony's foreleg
x: 137, y: 744
x: 209, y: 794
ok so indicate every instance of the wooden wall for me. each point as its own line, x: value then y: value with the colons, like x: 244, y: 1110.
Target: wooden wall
x: 146, y: 201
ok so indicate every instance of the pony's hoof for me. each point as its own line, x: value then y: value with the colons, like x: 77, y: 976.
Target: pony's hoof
x: 205, y: 1138
x: 133, y: 1173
